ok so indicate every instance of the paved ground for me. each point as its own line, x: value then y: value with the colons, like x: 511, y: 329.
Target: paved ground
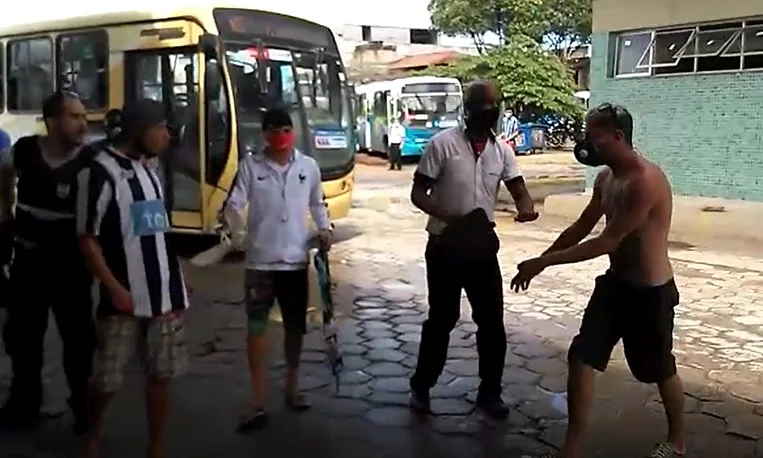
x: 381, y: 295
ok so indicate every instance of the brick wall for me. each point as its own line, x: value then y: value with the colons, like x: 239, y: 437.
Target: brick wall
x: 706, y: 131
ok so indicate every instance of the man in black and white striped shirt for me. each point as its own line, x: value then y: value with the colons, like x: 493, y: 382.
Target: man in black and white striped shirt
x: 122, y: 222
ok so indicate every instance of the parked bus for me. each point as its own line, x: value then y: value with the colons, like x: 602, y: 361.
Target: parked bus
x: 425, y: 104
x: 216, y: 69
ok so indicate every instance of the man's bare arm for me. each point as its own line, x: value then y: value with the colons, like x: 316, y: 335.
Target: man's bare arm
x: 637, y: 203
x: 96, y: 263
x: 587, y: 220
x: 521, y: 196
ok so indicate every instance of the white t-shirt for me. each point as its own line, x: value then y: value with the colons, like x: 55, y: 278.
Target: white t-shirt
x: 396, y: 134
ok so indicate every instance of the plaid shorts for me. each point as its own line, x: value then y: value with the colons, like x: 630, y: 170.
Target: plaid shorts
x: 158, y: 345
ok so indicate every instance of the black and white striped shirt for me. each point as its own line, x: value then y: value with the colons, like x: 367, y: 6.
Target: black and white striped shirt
x: 120, y: 201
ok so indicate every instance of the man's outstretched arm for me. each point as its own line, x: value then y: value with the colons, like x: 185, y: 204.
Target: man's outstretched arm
x: 587, y: 220
x: 637, y: 202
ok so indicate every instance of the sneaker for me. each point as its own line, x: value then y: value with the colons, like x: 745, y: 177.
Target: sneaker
x: 494, y: 407
x: 663, y: 450
x: 256, y: 419
x: 420, y: 402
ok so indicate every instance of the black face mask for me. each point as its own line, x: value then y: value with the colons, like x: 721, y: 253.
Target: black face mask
x: 482, y: 119
x: 587, y: 153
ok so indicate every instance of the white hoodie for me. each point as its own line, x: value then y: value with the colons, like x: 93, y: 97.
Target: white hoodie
x: 279, y: 198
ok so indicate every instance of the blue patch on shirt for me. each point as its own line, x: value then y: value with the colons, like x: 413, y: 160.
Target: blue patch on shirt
x: 149, y: 217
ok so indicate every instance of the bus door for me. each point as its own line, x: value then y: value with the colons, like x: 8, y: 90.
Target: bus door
x: 171, y: 76
x: 390, y: 116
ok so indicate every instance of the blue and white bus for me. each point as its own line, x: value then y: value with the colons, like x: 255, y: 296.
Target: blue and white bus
x: 424, y: 104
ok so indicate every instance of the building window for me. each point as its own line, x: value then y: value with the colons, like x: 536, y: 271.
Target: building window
x: 423, y: 37
x: 365, y: 30
x: 83, y: 66
x: 705, y: 48
x: 630, y: 51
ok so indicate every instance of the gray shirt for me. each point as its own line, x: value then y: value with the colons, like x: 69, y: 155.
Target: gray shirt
x: 463, y: 180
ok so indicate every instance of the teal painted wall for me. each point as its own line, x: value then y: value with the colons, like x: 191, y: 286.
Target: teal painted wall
x: 706, y: 130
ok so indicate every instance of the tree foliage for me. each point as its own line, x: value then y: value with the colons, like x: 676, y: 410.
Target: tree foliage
x: 531, y: 41
x: 558, y: 23
x: 530, y: 78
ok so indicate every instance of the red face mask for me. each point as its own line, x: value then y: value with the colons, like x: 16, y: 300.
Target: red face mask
x: 280, y: 141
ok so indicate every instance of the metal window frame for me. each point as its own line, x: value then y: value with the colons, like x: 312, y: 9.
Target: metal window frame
x: 744, y: 51
x: 737, y: 32
x: 637, y: 70
x: 678, y: 54
x: 646, y: 64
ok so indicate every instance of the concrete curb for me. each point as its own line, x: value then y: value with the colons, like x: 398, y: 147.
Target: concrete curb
x: 540, y: 188
x: 694, y: 219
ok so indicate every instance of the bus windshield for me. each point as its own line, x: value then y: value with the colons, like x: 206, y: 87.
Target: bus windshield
x: 267, y: 77
x: 431, y: 110
x: 258, y: 85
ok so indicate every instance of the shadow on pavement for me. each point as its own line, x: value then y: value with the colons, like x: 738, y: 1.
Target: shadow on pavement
x: 379, y: 333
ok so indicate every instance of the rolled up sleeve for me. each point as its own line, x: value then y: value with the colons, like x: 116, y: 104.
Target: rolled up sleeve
x: 510, y: 164
x: 430, y: 164
x: 94, y: 192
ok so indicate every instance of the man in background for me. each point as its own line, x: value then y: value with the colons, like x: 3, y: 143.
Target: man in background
x: 396, y: 136
x: 510, y: 128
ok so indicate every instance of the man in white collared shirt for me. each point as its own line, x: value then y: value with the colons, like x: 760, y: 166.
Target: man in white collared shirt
x: 396, y: 137
x: 457, y: 182
x: 279, y: 186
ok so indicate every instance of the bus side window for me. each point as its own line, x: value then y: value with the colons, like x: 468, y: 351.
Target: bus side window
x: 83, y: 66
x: 217, y: 122
x: 30, y: 73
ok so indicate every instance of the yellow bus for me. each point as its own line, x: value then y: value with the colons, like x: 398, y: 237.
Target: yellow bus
x: 215, y: 68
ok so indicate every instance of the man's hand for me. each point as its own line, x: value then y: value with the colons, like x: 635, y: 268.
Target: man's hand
x: 122, y: 299
x: 325, y: 239
x: 527, y: 270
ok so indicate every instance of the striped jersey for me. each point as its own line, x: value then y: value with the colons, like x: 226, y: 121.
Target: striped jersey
x: 121, y: 203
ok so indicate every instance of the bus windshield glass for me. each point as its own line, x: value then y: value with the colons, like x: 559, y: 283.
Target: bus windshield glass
x: 431, y: 110
x: 262, y: 78
x: 278, y: 60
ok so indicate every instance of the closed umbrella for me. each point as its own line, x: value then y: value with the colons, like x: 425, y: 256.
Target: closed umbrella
x: 333, y: 354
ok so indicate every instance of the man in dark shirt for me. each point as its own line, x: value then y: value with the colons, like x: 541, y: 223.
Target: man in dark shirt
x: 47, y: 271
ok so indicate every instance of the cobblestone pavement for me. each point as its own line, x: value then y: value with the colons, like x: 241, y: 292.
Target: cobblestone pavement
x: 381, y: 295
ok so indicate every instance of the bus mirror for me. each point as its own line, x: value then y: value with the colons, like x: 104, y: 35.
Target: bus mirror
x: 209, y: 44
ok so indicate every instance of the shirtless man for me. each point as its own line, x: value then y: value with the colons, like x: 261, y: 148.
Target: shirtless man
x: 634, y: 299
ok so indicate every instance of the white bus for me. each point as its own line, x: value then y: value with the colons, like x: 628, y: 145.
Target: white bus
x: 425, y: 105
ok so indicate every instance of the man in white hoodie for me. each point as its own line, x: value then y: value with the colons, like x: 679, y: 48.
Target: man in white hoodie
x: 279, y: 186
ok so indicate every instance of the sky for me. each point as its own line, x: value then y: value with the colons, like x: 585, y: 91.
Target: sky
x: 401, y: 13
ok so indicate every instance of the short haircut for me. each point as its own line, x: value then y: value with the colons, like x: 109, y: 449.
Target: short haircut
x: 615, y: 117
x: 53, y: 105
x: 479, y: 91
x: 275, y: 118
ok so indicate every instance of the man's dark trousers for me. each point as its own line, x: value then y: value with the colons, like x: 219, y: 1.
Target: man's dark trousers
x: 481, y: 279
x: 394, y: 156
x: 37, y: 289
